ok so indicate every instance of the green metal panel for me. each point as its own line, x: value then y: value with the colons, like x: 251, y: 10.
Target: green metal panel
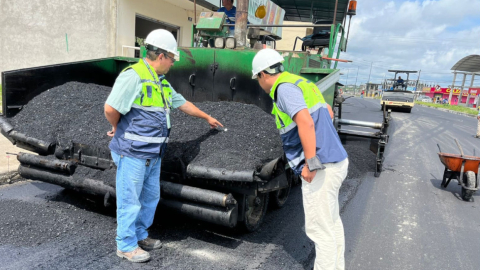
x: 325, y: 71
x: 192, y: 76
x: 215, y: 22
x: 294, y: 61
x: 328, y: 94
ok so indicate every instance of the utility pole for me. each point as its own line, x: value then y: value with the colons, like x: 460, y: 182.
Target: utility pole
x: 346, y: 83
x: 241, y: 17
x: 355, y: 86
x: 370, y: 72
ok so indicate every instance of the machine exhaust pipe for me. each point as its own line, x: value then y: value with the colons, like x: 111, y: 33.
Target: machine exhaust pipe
x: 197, y: 195
x: 203, y: 212
x: 43, y: 162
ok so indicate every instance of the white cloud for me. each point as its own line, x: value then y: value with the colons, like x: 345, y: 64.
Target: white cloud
x: 413, y: 35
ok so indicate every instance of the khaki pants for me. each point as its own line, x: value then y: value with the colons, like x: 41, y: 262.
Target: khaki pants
x: 322, y: 215
x: 478, y: 127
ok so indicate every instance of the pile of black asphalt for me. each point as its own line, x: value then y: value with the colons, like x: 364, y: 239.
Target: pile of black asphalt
x: 248, y: 140
x: 73, y: 112
x: 70, y: 112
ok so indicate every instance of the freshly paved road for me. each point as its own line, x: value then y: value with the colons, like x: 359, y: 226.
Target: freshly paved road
x: 401, y: 220
x: 404, y: 219
x: 43, y: 226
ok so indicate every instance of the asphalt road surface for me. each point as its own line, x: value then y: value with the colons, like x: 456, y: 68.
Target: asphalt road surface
x: 404, y: 219
x: 401, y: 220
x: 43, y: 226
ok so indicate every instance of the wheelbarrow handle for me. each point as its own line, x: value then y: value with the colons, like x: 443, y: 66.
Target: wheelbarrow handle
x: 439, y: 148
x: 459, y: 147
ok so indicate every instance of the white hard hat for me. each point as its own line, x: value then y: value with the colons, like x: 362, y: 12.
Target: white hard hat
x: 264, y: 59
x: 164, y: 40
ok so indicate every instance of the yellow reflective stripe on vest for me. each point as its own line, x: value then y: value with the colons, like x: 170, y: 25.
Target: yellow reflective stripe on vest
x: 139, y: 138
x: 148, y: 109
x: 317, y: 107
x: 311, y: 110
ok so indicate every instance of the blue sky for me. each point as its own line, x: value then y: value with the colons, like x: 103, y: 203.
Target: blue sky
x: 412, y: 35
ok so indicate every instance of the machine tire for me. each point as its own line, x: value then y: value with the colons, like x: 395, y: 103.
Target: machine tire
x: 409, y: 110
x: 254, y: 214
x: 278, y: 198
x: 470, y: 181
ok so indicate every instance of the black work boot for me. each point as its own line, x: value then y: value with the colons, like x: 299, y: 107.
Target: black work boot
x: 150, y: 244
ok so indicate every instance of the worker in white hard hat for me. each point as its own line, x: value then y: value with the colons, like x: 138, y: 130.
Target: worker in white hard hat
x: 313, y: 150
x: 138, y: 108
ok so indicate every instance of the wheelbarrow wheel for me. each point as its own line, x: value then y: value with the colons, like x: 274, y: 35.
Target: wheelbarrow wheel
x: 469, y: 181
x: 444, y: 179
x: 255, y: 210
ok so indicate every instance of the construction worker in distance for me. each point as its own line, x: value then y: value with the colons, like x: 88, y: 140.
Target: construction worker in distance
x: 138, y: 108
x: 400, y: 82
x: 313, y: 150
x: 230, y: 11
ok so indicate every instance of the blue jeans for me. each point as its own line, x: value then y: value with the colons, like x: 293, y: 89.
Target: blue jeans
x: 138, y: 193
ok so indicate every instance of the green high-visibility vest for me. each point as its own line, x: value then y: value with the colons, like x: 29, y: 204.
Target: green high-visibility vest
x: 155, y: 93
x: 312, y: 95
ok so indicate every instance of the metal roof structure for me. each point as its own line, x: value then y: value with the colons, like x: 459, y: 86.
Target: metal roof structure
x: 469, y: 63
x: 313, y: 10
x: 402, y: 71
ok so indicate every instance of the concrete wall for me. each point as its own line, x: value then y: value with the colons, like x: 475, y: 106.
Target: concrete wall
x: 33, y: 32
x: 166, y: 11
x: 289, y: 35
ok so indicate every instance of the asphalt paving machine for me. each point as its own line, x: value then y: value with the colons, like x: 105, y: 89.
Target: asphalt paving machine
x: 204, y: 73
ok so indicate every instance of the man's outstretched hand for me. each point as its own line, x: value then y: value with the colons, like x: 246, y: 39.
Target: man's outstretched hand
x: 213, y: 122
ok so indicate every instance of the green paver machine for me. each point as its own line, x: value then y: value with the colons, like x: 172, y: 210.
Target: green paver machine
x: 216, y: 68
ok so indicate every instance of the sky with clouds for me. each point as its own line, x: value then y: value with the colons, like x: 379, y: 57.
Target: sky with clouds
x: 411, y: 35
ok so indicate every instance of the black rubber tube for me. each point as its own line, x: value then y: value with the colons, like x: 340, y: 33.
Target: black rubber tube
x: 90, y: 186
x: 202, y: 212
x: 216, y: 215
x: 40, y: 146
x: 197, y: 195
x: 39, y: 161
x: 5, y: 125
x: 198, y: 171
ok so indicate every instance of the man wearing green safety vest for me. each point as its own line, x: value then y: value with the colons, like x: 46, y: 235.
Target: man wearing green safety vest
x: 138, y: 108
x: 313, y: 150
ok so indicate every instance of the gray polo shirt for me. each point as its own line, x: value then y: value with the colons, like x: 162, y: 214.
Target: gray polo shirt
x: 290, y: 99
